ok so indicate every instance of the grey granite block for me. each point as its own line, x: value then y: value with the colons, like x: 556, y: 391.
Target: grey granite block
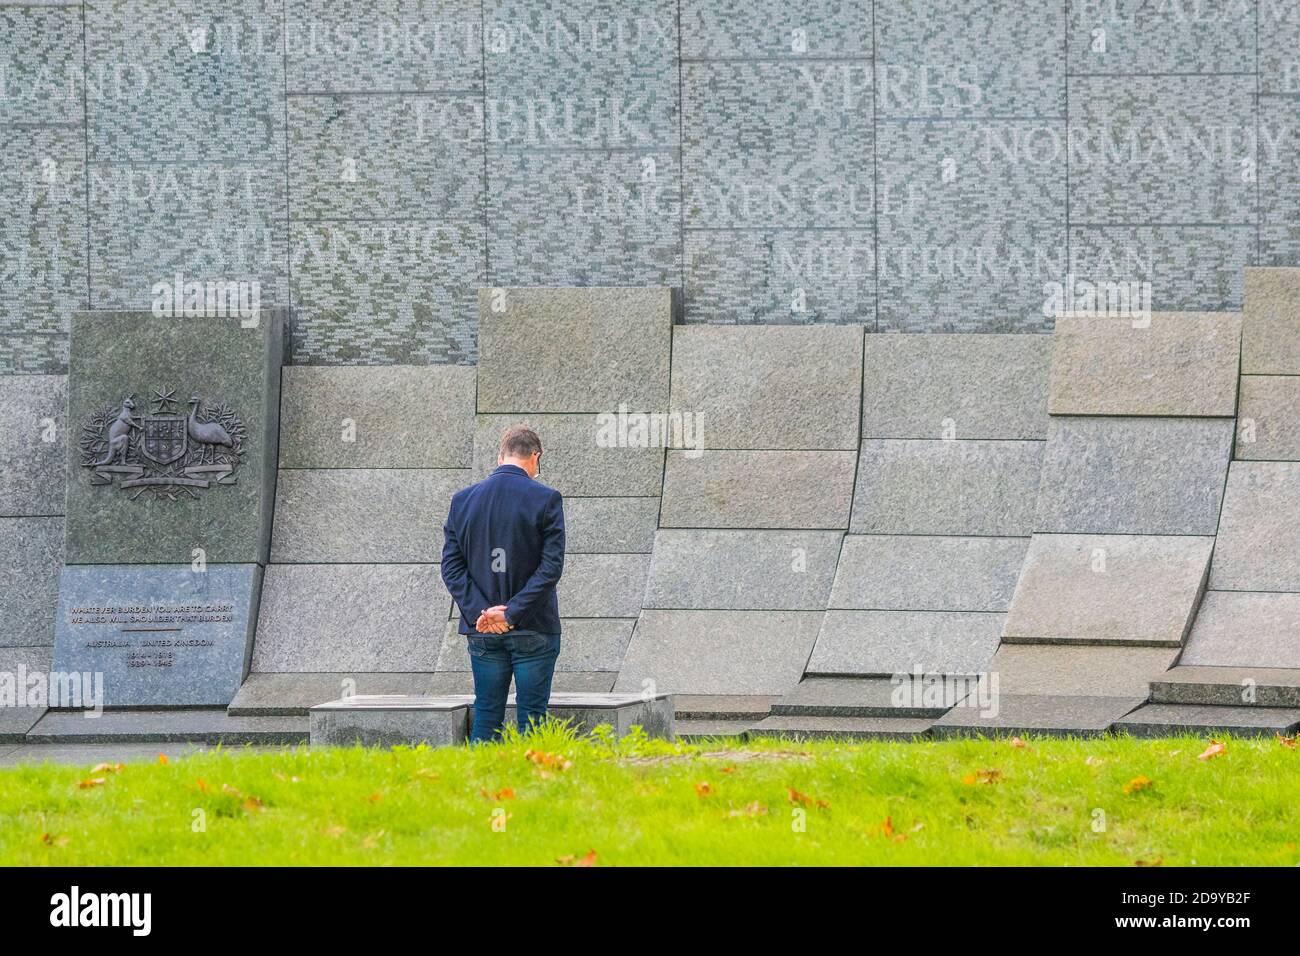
x: 588, y: 350
x: 951, y: 58
x: 387, y: 292
x: 1169, y: 720
x: 1179, y: 364
x: 955, y: 386
x: 771, y: 142
x: 852, y: 697
x: 758, y: 489
x: 191, y: 725
x: 697, y: 730
x: 1268, y: 427
x: 946, y: 487
x: 960, y: 199
x: 351, y: 617
x: 581, y: 216
x: 33, y: 444
x: 393, y: 417
x: 31, y: 555
x: 926, y: 573
x: 610, y: 525
x: 1054, y: 716
x: 42, y: 229
x: 587, y: 645
x: 44, y: 65
x: 739, y: 570
x: 772, y: 276
x: 1108, y: 589
x: 1129, y: 36
x: 1191, y: 268
x: 582, y: 455
x: 1138, y: 149
x: 161, y: 635
x: 38, y: 354
x: 219, y: 220
x: 428, y: 45
x: 723, y: 706
x: 1228, y: 686
x: 621, y: 712
x: 1055, y: 670
x: 1270, y: 335
x: 1279, y: 32
x: 1278, y: 156
x: 718, y: 652
x: 1245, y: 629
x: 840, y: 728
x: 742, y: 382
x: 177, y: 79
x: 293, y: 695
x: 146, y: 484
x: 389, y: 721
x: 766, y: 29
x: 1133, y: 475
x: 18, y: 715
x: 1258, y: 547
x: 355, y: 515
x: 900, y: 642
x: 387, y: 155
x: 602, y: 585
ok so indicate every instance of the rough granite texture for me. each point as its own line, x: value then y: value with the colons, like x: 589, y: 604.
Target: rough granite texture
x: 15, y: 721
x: 354, y: 515
x: 1268, y: 426
x: 718, y: 652
x: 389, y: 721
x: 1228, y: 686
x: 610, y: 525
x: 742, y: 570
x: 1108, y: 589
x: 580, y: 456
x: 1170, y: 720
x: 1258, y: 547
x: 287, y: 695
x: 574, y: 350
x: 1055, y: 670
x: 1270, y: 335
x: 946, y: 487
x: 396, y: 417
x: 900, y: 642
x: 31, y: 555
x: 1133, y: 475
x: 770, y: 387
x: 1245, y: 629
x: 1017, y: 714
x: 1178, y: 364
x: 927, y: 573
x: 33, y: 444
x: 189, y: 648
x: 351, y: 617
x: 758, y: 489
x: 602, y: 585
x: 955, y: 386
x: 219, y: 361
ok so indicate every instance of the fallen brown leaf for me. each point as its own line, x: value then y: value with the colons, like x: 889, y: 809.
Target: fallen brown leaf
x: 1215, y: 749
x: 550, y: 761
x: 162, y: 758
x: 1288, y: 742
x: 588, y: 860
x: 754, y: 809
x: 1137, y: 784
x: 1158, y: 861
x: 106, y: 768
x: 703, y: 789
x: 989, y: 775
x: 91, y: 782
x: 806, y: 800
x: 505, y: 793
x: 51, y: 840
x: 1017, y: 743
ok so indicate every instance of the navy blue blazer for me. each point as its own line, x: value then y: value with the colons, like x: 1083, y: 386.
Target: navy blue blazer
x: 504, y: 544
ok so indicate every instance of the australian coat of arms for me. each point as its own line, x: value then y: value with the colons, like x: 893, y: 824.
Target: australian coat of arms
x: 165, y: 454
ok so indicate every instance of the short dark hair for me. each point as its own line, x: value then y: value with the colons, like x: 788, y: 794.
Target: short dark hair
x: 520, y: 441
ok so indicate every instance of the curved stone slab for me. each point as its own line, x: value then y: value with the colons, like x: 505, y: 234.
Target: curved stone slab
x: 901, y: 642
x: 1268, y: 427
x: 1108, y: 589
x: 1258, y: 547
x: 1245, y: 629
x: 739, y: 570
x: 1133, y: 475
x: 602, y: 585
x: 610, y: 525
x: 1056, y: 670
x: 1270, y: 338
x: 926, y: 573
x: 1181, y: 363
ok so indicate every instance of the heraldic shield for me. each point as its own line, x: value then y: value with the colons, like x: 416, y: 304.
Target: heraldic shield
x: 163, y: 438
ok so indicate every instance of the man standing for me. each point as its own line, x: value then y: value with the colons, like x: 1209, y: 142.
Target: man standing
x: 502, y: 557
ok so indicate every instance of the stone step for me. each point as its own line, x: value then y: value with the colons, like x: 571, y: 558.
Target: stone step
x: 858, y: 728
x: 1053, y: 715
x: 749, y: 707
x: 692, y: 728
x: 848, y: 697
x: 1228, y: 686
x: 1167, y: 720
x: 196, y: 725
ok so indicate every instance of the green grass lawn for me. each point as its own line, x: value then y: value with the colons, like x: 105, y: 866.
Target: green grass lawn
x: 549, y: 799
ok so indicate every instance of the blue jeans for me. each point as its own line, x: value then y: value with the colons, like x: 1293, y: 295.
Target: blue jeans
x: 494, y: 658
